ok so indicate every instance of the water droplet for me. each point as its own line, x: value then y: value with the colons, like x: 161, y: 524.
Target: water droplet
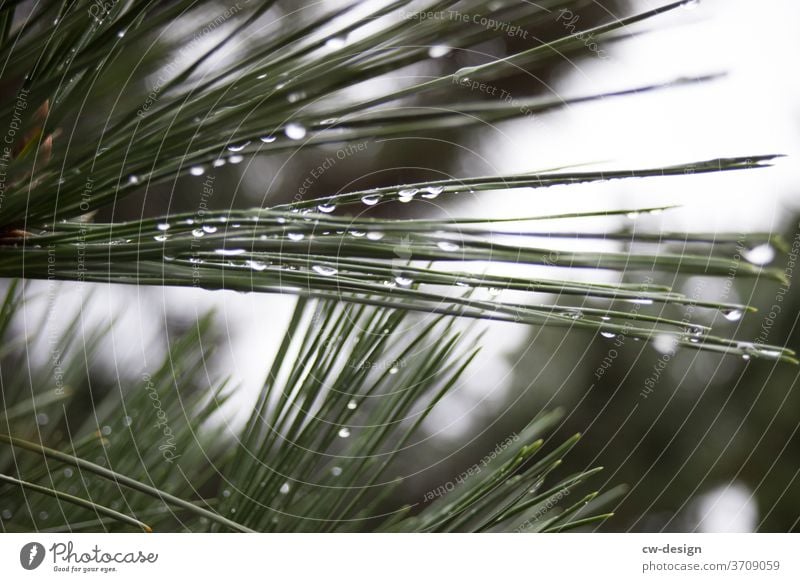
x: 295, y: 96
x: 403, y: 281
x: 197, y: 170
x: 235, y: 159
x: 68, y: 473
x: 732, y: 314
x: 162, y: 226
x: 43, y: 515
x: 447, y: 246
x: 209, y: 228
x: 230, y: 252
x: 390, y: 283
x: 324, y: 270
x: 262, y: 76
x: 6, y: 514
x: 640, y: 301
x: 439, y: 50
x: 633, y: 215
x: 267, y: 138
x: 285, y: 488
x: 407, y: 194
x: 751, y: 350
x: 295, y: 131
x: 256, y: 265
x: 336, y: 471
x: 336, y: 42
x: 198, y: 232
x: 133, y: 179
x: 226, y: 493
x: 237, y: 147
x: 665, y: 343
x: 120, y: 33
x: 296, y: 236
x: 42, y: 419
x: 160, y: 237
x: 326, y: 208
x: 608, y: 334
x: 344, y: 432
x: 461, y: 76
x: 374, y: 235
x: 432, y: 192
x: 371, y: 199
x: 352, y: 405
x: 328, y: 121
x: 357, y: 233
x: 394, y: 370
x: 760, y: 255
x: 127, y: 421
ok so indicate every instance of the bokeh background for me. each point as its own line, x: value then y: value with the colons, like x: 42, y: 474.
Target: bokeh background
x: 714, y: 445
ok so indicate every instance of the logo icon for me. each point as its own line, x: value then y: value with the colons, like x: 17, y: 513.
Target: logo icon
x: 31, y: 555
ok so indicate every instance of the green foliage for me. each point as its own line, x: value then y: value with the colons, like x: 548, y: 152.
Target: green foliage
x: 316, y: 455
x: 292, y: 81
x: 307, y: 460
